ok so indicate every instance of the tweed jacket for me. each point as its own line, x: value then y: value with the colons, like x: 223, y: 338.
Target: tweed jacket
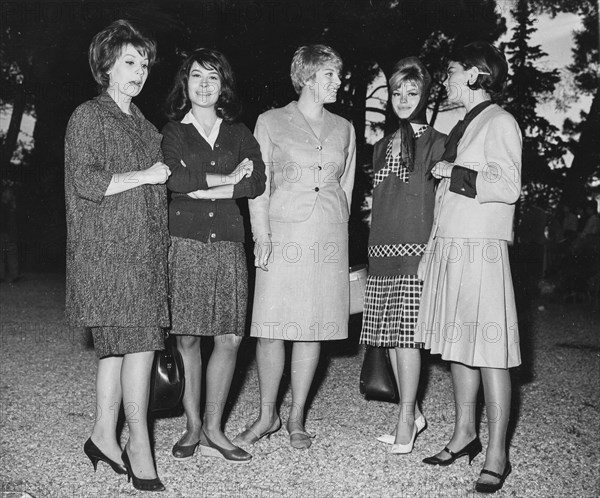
x: 190, y: 158
x: 302, y: 168
x: 491, y: 146
x: 116, y: 245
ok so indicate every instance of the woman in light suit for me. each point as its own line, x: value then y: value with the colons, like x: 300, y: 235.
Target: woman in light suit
x: 300, y: 229
x: 468, y: 312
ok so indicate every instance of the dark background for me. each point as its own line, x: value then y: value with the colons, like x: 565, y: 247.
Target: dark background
x: 44, y: 71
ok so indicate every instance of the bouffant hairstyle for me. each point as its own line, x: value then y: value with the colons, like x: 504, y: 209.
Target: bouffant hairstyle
x: 108, y: 44
x: 228, y: 105
x: 410, y: 70
x: 308, y: 59
x: 487, y: 59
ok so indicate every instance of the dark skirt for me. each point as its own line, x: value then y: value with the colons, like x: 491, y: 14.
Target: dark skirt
x: 391, y: 311
x: 208, y: 287
x: 116, y: 341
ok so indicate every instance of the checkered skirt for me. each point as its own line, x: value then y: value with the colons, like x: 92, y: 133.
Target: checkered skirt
x: 391, y: 310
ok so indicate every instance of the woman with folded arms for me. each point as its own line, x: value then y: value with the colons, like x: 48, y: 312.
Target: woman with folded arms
x: 215, y: 164
x: 468, y: 312
x: 117, y: 243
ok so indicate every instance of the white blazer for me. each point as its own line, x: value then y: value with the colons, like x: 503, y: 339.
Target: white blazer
x: 492, y: 146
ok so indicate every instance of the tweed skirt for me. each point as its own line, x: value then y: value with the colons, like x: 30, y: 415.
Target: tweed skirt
x: 117, y: 341
x: 468, y: 312
x: 391, y: 310
x: 208, y: 287
x: 305, y: 294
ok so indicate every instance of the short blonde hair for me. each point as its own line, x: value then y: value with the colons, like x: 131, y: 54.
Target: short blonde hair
x: 308, y: 59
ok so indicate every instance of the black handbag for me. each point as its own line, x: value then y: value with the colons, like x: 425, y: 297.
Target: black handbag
x: 167, y: 381
x: 377, y: 377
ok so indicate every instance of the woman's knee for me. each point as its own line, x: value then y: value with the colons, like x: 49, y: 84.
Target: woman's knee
x: 188, y: 342
x: 230, y: 342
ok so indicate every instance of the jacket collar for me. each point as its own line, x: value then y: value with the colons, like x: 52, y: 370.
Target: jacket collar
x: 297, y: 119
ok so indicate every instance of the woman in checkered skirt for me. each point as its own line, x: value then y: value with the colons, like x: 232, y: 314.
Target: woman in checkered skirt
x: 402, y: 215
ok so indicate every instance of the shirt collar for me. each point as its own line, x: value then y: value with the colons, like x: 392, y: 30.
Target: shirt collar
x: 189, y: 118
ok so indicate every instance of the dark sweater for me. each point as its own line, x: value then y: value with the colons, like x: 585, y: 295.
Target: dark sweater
x: 402, y: 212
x: 204, y: 219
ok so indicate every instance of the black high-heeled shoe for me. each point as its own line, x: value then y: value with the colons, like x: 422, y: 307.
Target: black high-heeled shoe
x: 141, y: 484
x: 210, y: 449
x: 472, y: 450
x: 95, y: 455
x: 488, y: 487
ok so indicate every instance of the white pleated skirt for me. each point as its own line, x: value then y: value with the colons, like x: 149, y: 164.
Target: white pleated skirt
x: 468, y: 312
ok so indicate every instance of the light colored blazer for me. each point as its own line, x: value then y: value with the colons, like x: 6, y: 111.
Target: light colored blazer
x: 491, y: 146
x: 302, y: 168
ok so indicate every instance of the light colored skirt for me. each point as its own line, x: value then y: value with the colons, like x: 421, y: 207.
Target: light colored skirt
x: 305, y: 295
x: 468, y: 312
x: 208, y: 287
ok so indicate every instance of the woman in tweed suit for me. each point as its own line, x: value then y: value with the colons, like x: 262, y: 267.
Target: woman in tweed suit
x: 300, y: 228
x: 117, y: 242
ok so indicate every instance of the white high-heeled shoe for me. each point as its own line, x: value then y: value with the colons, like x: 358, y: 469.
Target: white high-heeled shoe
x: 403, y: 449
x: 420, y: 424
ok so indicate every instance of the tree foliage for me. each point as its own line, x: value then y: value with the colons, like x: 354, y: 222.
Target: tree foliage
x: 543, y: 148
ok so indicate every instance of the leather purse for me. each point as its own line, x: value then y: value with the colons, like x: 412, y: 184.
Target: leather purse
x: 358, y: 283
x: 377, y: 377
x: 167, y: 380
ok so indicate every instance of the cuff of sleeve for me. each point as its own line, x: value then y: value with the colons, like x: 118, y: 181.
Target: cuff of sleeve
x: 95, y: 190
x: 463, y: 181
x: 241, y: 189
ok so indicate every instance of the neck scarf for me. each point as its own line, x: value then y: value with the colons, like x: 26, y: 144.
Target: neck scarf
x: 458, y: 131
x: 407, y: 136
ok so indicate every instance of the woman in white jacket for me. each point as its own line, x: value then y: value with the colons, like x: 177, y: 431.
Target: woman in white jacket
x: 468, y: 312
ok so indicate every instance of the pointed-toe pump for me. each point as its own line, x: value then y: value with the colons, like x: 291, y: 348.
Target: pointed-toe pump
x: 140, y: 484
x: 420, y: 423
x: 403, y: 449
x: 471, y: 450
x: 95, y: 455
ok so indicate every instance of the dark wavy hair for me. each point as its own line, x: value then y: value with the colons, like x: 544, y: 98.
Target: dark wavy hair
x: 108, y: 44
x: 228, y: 105
x: 485, y: 57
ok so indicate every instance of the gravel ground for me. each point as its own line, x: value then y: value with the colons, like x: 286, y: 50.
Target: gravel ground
x: 47, y: 409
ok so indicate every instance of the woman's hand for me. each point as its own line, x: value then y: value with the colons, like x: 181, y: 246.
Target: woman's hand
x: 242, y: 170
x: 262, y: 251
x: 156, y: 174
x: 442, y: 169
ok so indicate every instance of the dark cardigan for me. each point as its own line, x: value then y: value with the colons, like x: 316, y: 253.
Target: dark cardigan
x: 402, y: 212
x: 116, y: 245
x: 204, y: 219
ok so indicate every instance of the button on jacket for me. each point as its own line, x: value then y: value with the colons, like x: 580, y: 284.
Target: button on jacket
x: 303, y: 168
x: 190, y: 158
